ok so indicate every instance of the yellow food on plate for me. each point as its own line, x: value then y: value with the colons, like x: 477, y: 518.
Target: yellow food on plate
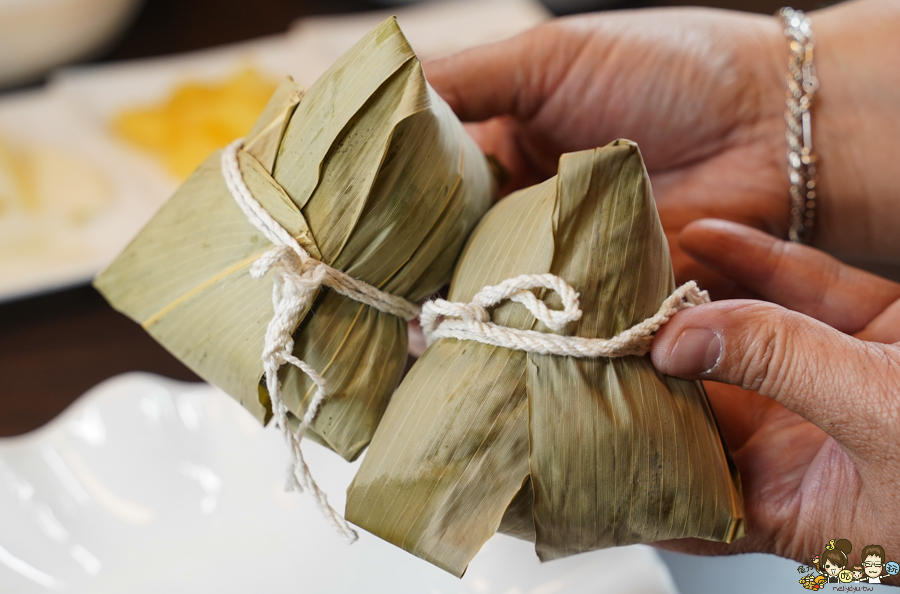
x: 197, y: 119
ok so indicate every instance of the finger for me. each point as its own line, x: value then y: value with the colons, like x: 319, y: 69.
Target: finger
x: 510, y: 77
x: 687, y: 269
x: 795, y: 276
x: 416, y: 343
x: 488, y: 81
x: 741, y: 184
x: 885, y: 328
x: 847, y: 387
x: 499, y: 137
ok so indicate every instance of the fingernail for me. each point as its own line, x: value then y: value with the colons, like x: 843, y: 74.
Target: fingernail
x: 696, y: 351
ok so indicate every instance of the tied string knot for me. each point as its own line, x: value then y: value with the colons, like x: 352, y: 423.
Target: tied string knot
x: 298, y: 277
x: 471, y: 321
x: 518, y: 289
x: 294, y: 287
x: 295, y: 284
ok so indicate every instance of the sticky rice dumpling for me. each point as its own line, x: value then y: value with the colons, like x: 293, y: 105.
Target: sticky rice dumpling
x: 372, y: 174
x: 571, y: 453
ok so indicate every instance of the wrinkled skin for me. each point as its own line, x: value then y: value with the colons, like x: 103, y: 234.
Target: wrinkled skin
x: 810, y: 396
x: 807, y: 391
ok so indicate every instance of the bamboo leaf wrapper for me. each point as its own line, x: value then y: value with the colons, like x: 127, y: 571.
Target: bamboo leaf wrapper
x: 572, y: 454
x: 374, y: 175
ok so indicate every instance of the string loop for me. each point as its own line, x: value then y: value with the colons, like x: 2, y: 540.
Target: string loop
x: 471, y: 321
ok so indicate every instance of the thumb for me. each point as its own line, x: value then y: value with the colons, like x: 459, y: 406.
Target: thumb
x: 834, y: 380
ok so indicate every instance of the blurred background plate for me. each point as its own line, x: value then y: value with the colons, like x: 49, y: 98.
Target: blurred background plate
x: 310, y: 47
x: 434, y: 28
x: 40, y: 248
x: 101, y: 91
x: 151, y: 485
x: 38, y: 35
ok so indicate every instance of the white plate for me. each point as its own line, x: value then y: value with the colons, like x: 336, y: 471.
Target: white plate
x: 151, y: 485
x: 49, y: 120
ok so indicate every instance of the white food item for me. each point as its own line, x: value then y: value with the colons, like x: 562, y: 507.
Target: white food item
x: 46, y: 196
x: 66, y: 186
x: 12, y: 191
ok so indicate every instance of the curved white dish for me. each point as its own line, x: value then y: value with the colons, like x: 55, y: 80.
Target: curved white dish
x: 150, y: 485
x: 37, y: 35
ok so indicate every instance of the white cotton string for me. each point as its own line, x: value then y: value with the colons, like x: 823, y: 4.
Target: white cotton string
x: 472, y: 321
x: 299, y: 276
x: 336, y: 280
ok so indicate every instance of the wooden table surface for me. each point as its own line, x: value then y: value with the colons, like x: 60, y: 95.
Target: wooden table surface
x: 55, y: 347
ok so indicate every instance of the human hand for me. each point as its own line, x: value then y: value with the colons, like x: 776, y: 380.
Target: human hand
x: 702, y: 93
x: 812, y: 412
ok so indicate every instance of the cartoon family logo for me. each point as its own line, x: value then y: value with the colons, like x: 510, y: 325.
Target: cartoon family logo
x: 834, y: 567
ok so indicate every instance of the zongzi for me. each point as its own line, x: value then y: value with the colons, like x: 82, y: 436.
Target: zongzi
x: 372, y: 177
x: 575, y: 452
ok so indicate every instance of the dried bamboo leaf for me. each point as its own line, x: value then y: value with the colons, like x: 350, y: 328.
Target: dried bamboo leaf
x: 574, y: 454
x: 374, y: 175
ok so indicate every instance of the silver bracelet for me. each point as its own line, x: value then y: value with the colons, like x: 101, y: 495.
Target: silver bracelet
x: 802, y: 86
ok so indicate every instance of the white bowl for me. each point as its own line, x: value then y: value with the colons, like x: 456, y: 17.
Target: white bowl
x: 38, y: 35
